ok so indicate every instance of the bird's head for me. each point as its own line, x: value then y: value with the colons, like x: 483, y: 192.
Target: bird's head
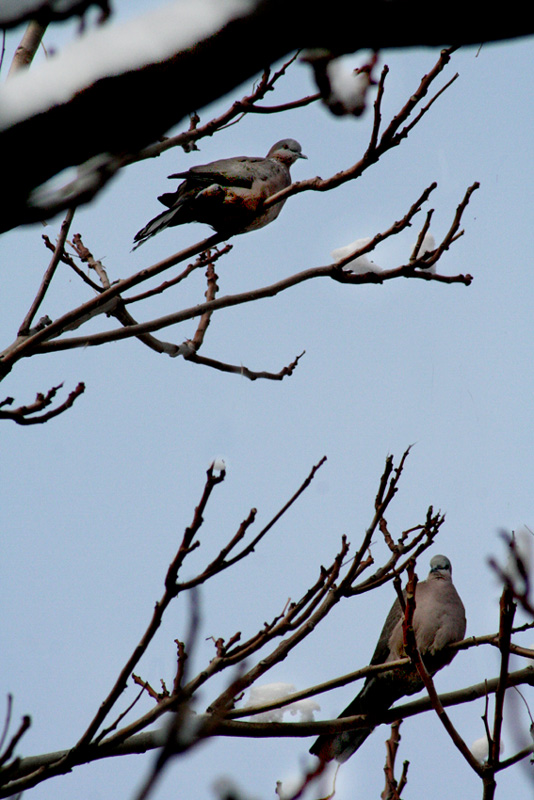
x: 286, y: 151
x: 440, y: 566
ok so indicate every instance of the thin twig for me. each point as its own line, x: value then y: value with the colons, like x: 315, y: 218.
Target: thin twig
x: 393, y: 789
x: 7, y: 721
x: 508, y: 608
x: 200, y: 262
x: 248, y: 104
x: 49, y: 274
x: 391, y: 137
x: 245, y: 372
x: 334, y: 271
x: 176, y: 741
x: 41, y: 345
x: 23, y: 414
x: 15, y: 739
x: 412, y: 650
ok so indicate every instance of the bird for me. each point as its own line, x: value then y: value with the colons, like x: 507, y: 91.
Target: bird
x: 227, y: 194
x: 439, y: 620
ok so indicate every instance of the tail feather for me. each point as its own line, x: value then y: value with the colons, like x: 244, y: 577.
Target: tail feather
x: 157, y: 224
x: 341, y: 746
x: 375, y: 697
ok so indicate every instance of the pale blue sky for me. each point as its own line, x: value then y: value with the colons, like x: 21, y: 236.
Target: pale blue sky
x: 96, y: 499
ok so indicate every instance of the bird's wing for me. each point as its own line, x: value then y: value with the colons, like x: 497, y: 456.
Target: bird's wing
x: 383, y: 647
x: 240, y: 171
x: 439, y: 620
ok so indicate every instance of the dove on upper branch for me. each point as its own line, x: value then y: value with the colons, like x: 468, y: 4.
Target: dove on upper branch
x: 227, y: 194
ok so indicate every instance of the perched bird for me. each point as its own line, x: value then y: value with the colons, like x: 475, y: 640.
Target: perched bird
x: 227, y: 194
x: 439, y: 620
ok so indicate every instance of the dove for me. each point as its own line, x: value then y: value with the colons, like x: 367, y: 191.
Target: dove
x: 439, y: 620
x: 227, y: 194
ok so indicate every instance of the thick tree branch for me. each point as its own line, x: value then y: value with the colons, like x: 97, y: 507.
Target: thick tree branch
x: 150, y: 740
x: 244, y: 44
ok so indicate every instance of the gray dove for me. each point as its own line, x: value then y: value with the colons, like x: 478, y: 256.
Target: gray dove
x: 439, y: 620
x: 227, y: 194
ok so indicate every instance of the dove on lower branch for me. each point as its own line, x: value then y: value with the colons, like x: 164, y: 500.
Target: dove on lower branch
x: 227, y: 194
x: 439, y: 620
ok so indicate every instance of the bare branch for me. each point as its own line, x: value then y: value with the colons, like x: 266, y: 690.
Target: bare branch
x: 516, y: 579
x: 415, y: 656
x: 507, y: 612
x: 69, y: 261
x: 247, y: 105
x: 15, y: 739
x: 49, y: 274
x: 201, y: 261
x: 41, y: 343
x: 245, y: 372
x: 7, y: 721
x: 377, y: 146
x: 25, y: 52
x: 87, y: 257
x: 106, y: 731
x: 222, y: 561
x: 98, y: 305
x: 393, y: 789
x: 177, y: 740
x: 22, y: 414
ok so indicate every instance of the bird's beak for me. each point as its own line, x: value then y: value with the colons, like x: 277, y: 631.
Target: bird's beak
x: 301, y: 155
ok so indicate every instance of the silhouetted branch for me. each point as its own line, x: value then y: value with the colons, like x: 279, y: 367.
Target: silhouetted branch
x: 247, y: 105
x: 15, y: 739
x: 111, y: 298
x: 245, y: 372
x: 42, y: 343
x: 23, y: 414
x: 393, y: 788
x: 49, y: 274
x: 391, y: 137
x: 153, y: 739
x: 515, y: 576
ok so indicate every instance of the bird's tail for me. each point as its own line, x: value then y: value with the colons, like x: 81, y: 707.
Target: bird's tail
x: 155, y: 225
x: 341, y: 746
x: 375, y: 697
